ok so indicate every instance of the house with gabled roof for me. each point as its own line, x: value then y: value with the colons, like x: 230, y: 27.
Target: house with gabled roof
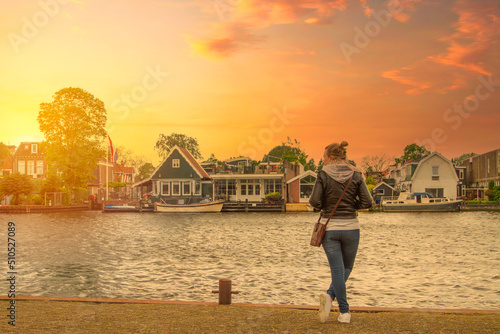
x: 29, y: 159
x: 432, y: 173
x: 300, y: 187
x: 179, y: 179
x: 382, y: 189
x: 123, y: 174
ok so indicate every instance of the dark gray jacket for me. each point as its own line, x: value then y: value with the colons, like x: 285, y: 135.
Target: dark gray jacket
x: 327, y: 191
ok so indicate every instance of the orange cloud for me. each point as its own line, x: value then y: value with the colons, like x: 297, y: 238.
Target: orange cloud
x: 404, y: 6
x: 476, y: 37
x: 477, y: 28
x: 234, y: 38
x: 406, y: 80
x: 367, y: 9
x: 248, y: 16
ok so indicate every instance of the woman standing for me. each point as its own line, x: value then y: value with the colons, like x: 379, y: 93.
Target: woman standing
x: 342, y: 233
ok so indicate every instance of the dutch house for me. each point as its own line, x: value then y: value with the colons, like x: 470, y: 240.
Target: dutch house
x: 179, y: 179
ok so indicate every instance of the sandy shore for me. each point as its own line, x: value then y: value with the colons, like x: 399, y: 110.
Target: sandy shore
x: 47, y: 315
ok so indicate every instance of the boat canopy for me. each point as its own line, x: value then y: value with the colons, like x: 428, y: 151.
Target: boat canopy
x: 425, y: 193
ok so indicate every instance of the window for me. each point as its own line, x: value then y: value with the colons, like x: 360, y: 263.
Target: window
x: 307, y: 186
x: 176, y: 188
x: 250, y: 187
x: 488, y: 165
x: 436, y: 192
x: 247, y: 187
x: 273, y: 186
x: 186, y: 188
x: 197, y: 188
x: 165, y: 188
x: 31, y: 167
x: 21, y: 166
x: 176, y: 163
x: 221, y: 187
x: 231, y: 187
x: 34, y: 148
x: 257, y: 189
x: 461, y: 174
x: 464, y: 191
x: 156, y: 188
x: 39, y: 167
x: 435, y: 173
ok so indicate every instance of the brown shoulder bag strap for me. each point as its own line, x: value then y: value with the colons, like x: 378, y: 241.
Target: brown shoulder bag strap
x: 337, y: 204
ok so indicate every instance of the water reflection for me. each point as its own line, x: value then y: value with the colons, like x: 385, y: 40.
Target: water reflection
x: 446, y: 260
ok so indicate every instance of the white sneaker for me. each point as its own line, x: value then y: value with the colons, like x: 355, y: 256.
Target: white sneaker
x: 325, y: 305
x: 345, y: 318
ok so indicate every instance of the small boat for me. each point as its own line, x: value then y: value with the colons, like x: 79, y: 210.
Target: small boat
x: 194, y: 208
x: 419, y: 202
x: 120, y: 208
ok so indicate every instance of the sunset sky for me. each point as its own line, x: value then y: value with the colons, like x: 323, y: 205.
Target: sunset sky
x: 241, y: 76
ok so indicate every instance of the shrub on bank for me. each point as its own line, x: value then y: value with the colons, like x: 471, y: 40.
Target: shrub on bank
x: 481, y: 202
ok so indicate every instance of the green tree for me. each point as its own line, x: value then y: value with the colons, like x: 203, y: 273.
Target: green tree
x: 164, y: 144
x: 4, y: 153
x: 128, y: 158
x: 289, y: 151
x: 463, y: 157
x: 16, y: 184
x: 370, y: 180
x: 73, y: 126
x: 321, y: 164
x: 310, y: 165
x: 214, y: 160
x: 411, y: 152
x: 145, y: 171
x: 493, y: 192
x: 52, y: 184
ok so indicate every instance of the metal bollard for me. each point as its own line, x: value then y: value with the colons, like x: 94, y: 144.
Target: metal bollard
x: 225, y: 291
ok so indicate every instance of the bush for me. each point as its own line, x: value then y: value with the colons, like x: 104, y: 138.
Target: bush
x: 80, y: 195
x: 34, y: 200
x: 273, y: 194
x: 481, y: 202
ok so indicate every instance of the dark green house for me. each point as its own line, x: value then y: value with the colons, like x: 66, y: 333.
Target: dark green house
x: 178, y: 180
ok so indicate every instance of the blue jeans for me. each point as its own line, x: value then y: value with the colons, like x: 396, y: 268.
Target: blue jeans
x: 340, y: 249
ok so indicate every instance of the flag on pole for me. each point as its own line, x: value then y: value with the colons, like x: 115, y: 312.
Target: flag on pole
x: 111, y: 147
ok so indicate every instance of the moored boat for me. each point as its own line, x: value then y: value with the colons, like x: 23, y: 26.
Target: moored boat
x: 120, y: 208
x: 419, y: 202
x: 187, y: 208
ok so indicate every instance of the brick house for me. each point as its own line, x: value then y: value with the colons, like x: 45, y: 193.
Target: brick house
x: 479, y: 171
x: 123, y: 174
x: 29, y: 159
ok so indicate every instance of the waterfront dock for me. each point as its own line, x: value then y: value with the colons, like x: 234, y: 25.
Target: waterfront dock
x: 77, y: 315
x: 41, y: 208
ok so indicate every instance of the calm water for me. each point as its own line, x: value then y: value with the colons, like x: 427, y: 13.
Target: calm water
x: 445, y: 260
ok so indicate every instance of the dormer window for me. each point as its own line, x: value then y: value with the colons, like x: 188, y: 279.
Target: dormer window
x: 176, y: 163
x: 34, y: 148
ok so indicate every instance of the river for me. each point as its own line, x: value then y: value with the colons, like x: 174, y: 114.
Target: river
x: 426, y: 260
